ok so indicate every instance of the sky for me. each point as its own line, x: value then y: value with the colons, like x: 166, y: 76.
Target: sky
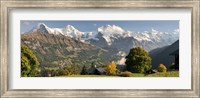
x: 89, y: 26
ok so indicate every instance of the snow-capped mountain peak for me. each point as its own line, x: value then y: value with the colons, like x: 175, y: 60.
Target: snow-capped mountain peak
x: 70, y: 28
x: 154, y: 31
x: 110, y: 30
x: 72, y: 32
x: 42, y: 27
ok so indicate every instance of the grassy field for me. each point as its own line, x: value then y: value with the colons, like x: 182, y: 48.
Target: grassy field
x: 167, y: 74
x: 89, y: 76
x: 158, y: 74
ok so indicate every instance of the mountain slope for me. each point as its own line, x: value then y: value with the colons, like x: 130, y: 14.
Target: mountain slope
x: 161, y: 56
x: 59, y: 50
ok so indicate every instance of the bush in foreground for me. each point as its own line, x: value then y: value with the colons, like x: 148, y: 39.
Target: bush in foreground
x: 162, y: 68
x: 125, y: 74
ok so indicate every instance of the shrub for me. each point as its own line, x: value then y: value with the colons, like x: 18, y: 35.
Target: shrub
x: 126, y: 74
x: 162, y: 68
x: 118, y: 72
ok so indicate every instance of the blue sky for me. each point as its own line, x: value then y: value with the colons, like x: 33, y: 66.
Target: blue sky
x: 132, y: 25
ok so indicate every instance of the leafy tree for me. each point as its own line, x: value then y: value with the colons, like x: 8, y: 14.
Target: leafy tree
x: 29, y: 63
x: 162, y: 68
x: 84, y: 70
x: 111, y: 68
x: 138, y: 60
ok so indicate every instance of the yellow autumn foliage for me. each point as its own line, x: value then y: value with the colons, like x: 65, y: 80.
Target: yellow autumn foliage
x: 111, y: 68
x: 162, y: 68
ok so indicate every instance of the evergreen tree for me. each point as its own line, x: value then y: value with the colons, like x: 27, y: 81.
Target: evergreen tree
x: 84, y: 70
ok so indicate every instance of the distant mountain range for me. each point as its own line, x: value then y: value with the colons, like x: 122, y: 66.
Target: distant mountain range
x: 115, y: 36
x: 68, y: 45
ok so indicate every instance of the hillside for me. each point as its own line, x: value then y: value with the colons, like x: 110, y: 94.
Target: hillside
x: 59, y: 50
x: 161, y: 55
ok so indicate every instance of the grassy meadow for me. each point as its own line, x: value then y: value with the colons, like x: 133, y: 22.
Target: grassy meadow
x: 157, y: 74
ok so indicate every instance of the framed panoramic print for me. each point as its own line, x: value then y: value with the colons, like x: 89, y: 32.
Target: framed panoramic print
x: 71, y: 48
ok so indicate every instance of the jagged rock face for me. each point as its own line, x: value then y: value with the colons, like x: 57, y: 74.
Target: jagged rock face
x: 101, y: 42
x: 38, y: 37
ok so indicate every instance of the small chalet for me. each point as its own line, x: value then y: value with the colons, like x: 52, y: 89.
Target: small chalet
x: 96, y: 71
x: 121, y: 67
x: 100, y: 71
x: 176, y: 55
x: 91, y: 70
